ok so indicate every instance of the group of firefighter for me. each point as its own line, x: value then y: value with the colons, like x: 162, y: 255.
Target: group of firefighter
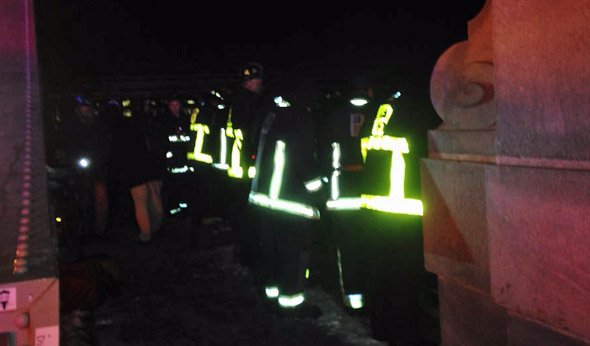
x: 293, y: 170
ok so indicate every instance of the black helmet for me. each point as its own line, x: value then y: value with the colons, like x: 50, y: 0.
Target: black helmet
x: 251, y: 70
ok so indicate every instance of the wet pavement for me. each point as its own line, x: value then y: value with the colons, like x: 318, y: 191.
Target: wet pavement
x: 172, y: 291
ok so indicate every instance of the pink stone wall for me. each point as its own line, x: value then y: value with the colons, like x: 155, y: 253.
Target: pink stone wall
x: 542, y: 71
x: 539, y: 224
x: 506, y: 187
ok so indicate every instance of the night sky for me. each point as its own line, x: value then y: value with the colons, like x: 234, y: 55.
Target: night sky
x: 81, y: 39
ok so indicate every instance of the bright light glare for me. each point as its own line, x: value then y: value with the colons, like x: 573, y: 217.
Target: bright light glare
x: 358, y: 102
x: 84, y: 162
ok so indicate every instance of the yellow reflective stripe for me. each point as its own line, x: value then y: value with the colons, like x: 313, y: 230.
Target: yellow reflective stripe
x: 222, y: 164
x: 384, y: 113
x: 395, y: 202
x: 397, y: 175
x: 194, y: 115
x: 197, y: 154
x: 200, y: 157
x: 289, y: 207
x: 364, y: 147
x: 229, y: 124
x: 386, y: 204
x: 235, y: 170
x: 387, y: 143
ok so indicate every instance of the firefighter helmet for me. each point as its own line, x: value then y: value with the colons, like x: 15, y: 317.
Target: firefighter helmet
x: 251, y: 70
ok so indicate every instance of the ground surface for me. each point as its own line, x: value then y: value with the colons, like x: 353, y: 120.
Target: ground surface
x: 173, y: 293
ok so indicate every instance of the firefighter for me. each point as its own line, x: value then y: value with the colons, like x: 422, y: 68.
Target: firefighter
x: 207, y: 121
x: 247, y: 107
x: 342, y: 164
x: 285, y: 190
x: 391, y: 146
x: 174, y: 125
x: 87, y: 149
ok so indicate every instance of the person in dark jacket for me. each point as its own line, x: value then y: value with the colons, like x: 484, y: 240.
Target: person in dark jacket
x: 342, y: 164
x: 142, y: 171
x: 285, y: 192
x: 207, y: 121
x: 392, y: 144
x: 247, y: 107
x: 112, y: 115
x: 87, y: 149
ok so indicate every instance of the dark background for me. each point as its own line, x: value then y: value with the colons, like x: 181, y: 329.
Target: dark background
x: 93, y: 39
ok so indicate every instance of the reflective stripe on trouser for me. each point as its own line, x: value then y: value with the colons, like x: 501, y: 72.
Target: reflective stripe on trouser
x: 285, y: 242
x: 291, y: 301
x: 354, y: 301
x: 271, y: 292
x: 351, y: 250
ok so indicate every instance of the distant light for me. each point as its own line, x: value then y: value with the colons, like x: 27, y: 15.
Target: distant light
x: 358, y: 101
x: 127, y: 113
x: 169, y: 155
x: 307, y: 273
x: 126, y: 103
x: 183, y: 205
x: 220, y: 106
x: 84, y: 162
x: 190, y: 102
x: 58, y: 219
x: 397, y: 95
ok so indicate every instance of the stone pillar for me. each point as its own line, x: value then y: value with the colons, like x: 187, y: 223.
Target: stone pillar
x: 506, y: 186
x: 29, y: 288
